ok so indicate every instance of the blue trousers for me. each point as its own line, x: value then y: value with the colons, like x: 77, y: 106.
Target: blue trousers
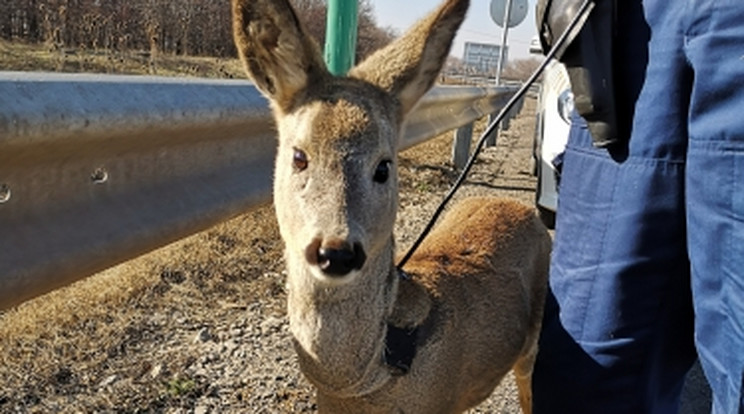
x: 648, y: 262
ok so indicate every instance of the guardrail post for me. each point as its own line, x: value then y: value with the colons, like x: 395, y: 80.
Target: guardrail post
x: 341, y: 38
x: 513, y: 112
x: 491, y: 140
x: 461, y: 145
x: 520, y: 105
x: 506, y: 122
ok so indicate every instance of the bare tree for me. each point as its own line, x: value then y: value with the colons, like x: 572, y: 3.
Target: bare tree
x: 193, y: 27
x: 370, y: 36
x: 520, y: 69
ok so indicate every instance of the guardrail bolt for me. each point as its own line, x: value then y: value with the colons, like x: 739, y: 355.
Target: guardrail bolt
x: 4, y: 193
x: 99, y: 176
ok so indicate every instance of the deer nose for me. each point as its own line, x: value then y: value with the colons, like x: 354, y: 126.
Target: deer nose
x: 338, y: 258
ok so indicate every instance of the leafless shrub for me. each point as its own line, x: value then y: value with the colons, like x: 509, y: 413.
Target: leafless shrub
x: 520, y: 69
x: 187, y: 27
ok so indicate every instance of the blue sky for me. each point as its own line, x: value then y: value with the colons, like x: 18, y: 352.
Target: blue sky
x: 478, y: 26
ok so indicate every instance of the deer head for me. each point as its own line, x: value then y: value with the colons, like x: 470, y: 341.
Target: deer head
x: 335, y: 186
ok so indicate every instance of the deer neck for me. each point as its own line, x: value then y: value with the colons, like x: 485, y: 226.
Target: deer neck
x: 339, y: 331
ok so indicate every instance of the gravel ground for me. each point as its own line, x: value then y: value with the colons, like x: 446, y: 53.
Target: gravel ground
x: 199, y: 326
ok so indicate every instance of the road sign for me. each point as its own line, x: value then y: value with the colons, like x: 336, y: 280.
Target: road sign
x: 516, y: 16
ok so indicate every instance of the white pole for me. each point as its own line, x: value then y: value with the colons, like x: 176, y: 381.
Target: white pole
x: 504, y: 34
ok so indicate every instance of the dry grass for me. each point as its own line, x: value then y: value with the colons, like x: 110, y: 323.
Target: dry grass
x: 123, y: 322
x: 16, y: 56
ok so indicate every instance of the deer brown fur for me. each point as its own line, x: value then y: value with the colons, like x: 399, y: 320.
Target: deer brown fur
x: 477, y: 284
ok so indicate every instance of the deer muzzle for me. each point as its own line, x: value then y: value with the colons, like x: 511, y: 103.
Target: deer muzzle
x: 335, y: 257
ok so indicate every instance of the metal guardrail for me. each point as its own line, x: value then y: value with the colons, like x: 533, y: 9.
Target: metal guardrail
x: 446, y: 108
x: 98, y: 169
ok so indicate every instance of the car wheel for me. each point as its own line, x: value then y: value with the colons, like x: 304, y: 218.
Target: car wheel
x: 547, y: 216
x: 536, y: 142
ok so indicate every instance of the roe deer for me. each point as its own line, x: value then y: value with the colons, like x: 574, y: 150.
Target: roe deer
x: 439, y: 338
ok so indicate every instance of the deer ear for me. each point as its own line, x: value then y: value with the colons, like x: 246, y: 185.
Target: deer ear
x: 408, y: 67
x: 280, y: 58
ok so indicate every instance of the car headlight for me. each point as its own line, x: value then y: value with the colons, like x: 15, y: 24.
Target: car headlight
x: 566, y: 105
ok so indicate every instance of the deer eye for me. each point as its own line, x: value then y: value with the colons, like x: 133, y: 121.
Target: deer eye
x: 382, y: 172
x: 299, y: 160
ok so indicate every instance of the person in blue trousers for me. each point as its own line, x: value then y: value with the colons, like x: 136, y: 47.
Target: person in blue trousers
x: 647, y: 271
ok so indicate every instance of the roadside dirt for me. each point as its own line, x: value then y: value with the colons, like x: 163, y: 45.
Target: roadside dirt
x: 199, y: 326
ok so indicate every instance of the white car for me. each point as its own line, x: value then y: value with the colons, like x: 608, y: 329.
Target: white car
x: 553, y: 122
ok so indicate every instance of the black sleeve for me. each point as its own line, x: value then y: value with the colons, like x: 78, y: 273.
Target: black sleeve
x: 588, y: 57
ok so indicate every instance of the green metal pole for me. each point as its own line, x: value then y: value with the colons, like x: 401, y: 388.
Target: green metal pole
x: 341, y: 35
